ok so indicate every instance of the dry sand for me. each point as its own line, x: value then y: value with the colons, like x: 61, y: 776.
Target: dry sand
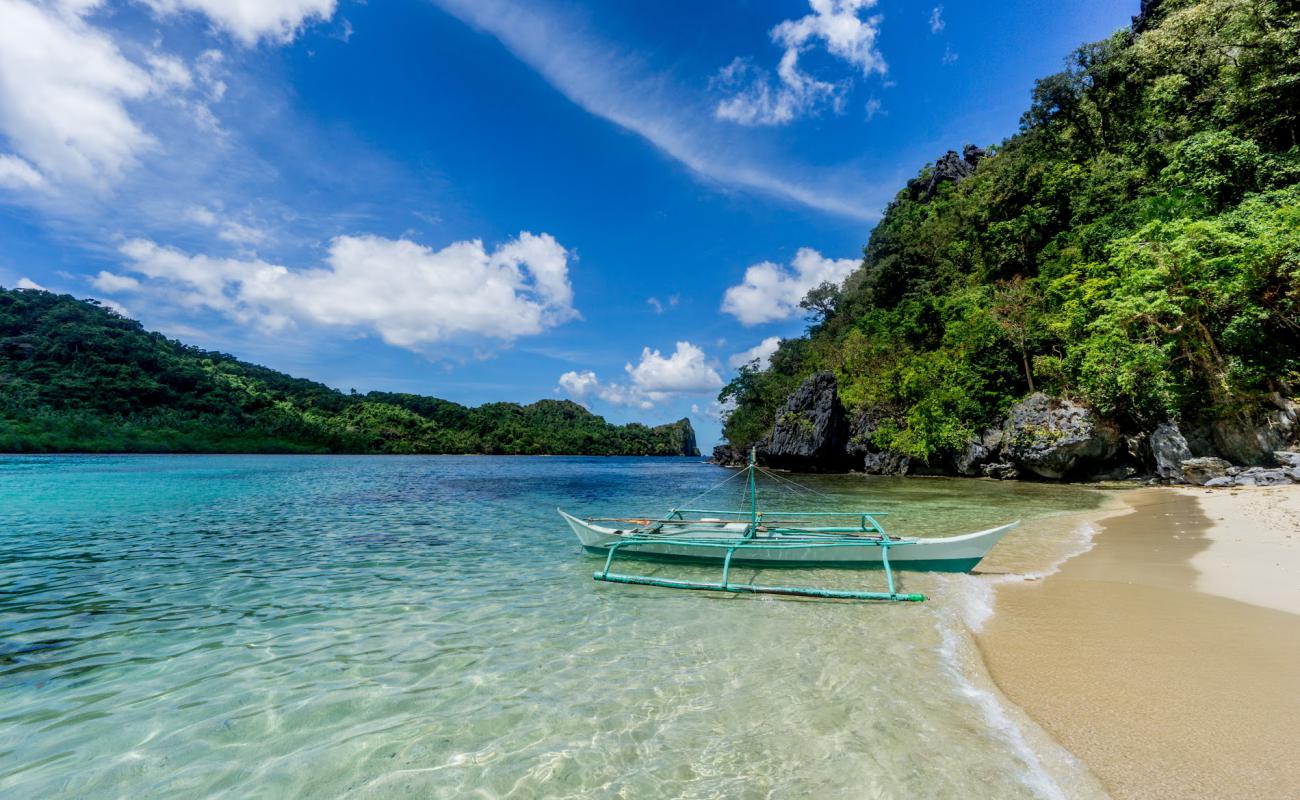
x: 1136, y: 657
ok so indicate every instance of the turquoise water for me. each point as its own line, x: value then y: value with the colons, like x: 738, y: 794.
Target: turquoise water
x: 262, y: 626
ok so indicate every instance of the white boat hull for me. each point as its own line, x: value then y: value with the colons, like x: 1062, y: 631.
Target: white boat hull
x: 949, y: 554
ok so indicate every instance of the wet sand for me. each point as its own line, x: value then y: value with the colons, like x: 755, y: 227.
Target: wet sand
x: 1162, y: 688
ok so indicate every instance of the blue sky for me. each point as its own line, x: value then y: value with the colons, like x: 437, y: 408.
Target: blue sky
x: 490, y: 199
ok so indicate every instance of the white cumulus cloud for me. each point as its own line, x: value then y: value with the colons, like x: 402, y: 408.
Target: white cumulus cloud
x: 252, y: 20
x: 761, y: 352
x: 63, y: 89
x: 28, y: 283
x: 411, y: 295
x: 653, y: 379
x: 579, y: 385
x: 687, y: 369
x: 771, y: 292
x: 838, y: 25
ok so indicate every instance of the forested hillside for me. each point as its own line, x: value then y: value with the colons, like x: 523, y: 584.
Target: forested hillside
x: 77, y: 377
x: 1134, y: 248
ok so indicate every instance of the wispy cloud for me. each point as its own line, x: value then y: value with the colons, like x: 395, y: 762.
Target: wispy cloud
x: 936, y: 19
x: 839, y: 27
x: 614, y: 84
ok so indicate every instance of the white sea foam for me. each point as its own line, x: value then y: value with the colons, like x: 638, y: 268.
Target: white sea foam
x: 974, y: 606
x: 1036, y: 776
x: 977, y: 592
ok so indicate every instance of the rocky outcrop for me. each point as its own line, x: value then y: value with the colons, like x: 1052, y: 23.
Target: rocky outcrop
x: 1255, y: 476
x: 810, y: 432
x: 980, y: 453
x: 1056, y: 438
x: 886, y: 464
x: 1201, y: 471
x: 1041, y: 437
x: 1253, y: 440
x: 1168, y: 452
x: 1001, y: 470
x: 724, y: 455
x: 681, y: 434
x: 1287, y: 459
x: 950, y: 168
x: 1286, y: 470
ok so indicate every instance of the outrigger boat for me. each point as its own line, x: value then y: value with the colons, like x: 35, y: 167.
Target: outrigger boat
x: 769, y: 539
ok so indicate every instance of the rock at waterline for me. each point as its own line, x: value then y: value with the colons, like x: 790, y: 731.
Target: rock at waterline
x: 810, y: 431
x: 886, y: 464
x: 1053, y: 437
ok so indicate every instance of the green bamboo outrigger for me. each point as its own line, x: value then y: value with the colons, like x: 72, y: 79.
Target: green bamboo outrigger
x: 755, y: 538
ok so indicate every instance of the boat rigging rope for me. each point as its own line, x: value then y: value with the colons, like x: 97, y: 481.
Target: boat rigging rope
x: 797, y: 486
x: 744, y: 490
x: 717, y: 485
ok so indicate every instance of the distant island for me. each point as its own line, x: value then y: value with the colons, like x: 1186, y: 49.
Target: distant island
x: 78, y: 377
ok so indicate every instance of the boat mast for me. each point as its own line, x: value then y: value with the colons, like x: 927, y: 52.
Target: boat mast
x: 753, y: 493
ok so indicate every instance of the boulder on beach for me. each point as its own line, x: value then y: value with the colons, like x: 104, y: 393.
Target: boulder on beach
x: 1254, y: 439
x: 1201, y: 471
x: 1053, y: 437
x: 1169, y: 450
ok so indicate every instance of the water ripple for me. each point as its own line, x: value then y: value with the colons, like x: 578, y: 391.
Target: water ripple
x: 366, y: 627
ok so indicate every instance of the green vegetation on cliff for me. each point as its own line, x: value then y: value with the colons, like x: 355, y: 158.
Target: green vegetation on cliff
x: 1136, y: 246
x: 77, y: 377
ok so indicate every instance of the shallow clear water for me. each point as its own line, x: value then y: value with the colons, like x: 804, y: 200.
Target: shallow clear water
x: 261, y: 626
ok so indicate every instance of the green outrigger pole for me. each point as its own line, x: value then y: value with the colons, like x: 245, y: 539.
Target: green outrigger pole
x: 673, y: 534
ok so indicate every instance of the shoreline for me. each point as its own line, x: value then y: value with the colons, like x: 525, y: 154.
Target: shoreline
x: 1166, y: 656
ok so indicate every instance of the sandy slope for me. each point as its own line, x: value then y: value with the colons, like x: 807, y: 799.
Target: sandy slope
x: 1137, y: 657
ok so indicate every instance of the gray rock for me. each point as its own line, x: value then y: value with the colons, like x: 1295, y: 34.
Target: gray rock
x: 1253, y: 440
x: 1002, y: 471
x: 810, y: 431
x: 861, y: 430
x: 1121, y: 472
x: 1264, y: 477
x: 886, y: 464
x: 979, y: 452
x: 1200, y: 439
x: 727, y: 456
x: 1052, y: 437
x: 950, y: 168
x: 1286, y: 458
x: 1169, y: 450
x: 1201, y: 471
x: 1216, y: 482
x: 1138, y: 447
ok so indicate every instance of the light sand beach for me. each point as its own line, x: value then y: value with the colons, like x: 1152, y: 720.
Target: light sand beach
x: 1167, y: 657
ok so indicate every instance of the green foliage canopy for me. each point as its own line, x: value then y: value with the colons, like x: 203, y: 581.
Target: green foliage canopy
x: 1134, y: 245
x: 75, y: 376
